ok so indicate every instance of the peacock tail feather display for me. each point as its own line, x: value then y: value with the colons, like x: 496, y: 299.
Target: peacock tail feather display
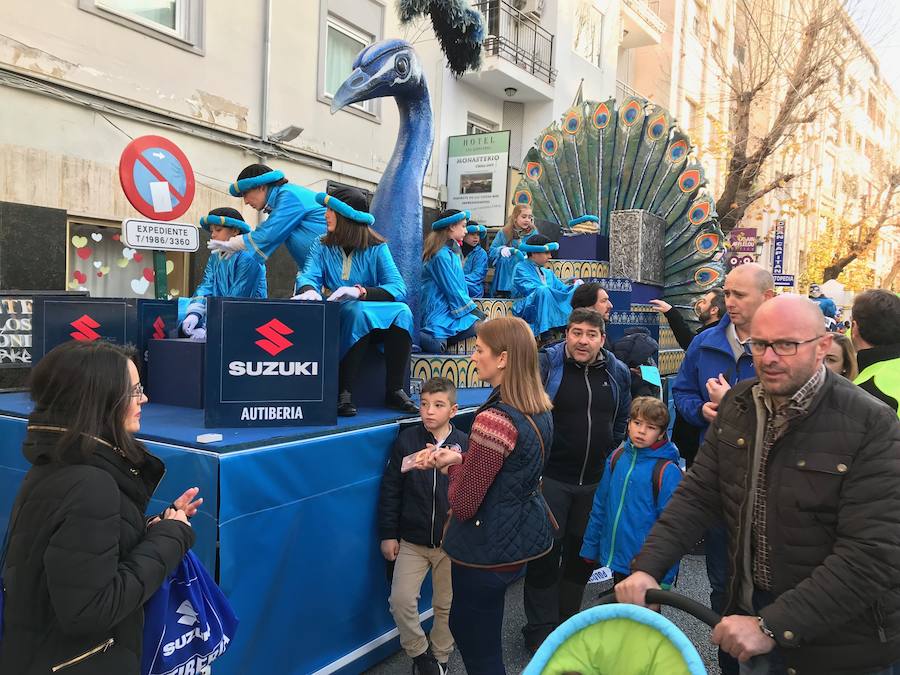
x: 459, y: 29
x: 607, y: 156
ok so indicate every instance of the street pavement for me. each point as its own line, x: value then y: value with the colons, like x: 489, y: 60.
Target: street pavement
x: 692, y: 582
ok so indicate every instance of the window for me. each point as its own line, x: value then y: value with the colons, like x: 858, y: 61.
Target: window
x: 587, y: 40
x: 346, y: 27
x: 178, y: 22
x: 343, y: 43
x: 479, y: 125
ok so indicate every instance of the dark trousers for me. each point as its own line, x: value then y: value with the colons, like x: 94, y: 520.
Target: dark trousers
x: 716, y: 547
x: 554, y: 583
x: 476, y: 617
x: 433, y: 345
x: 397, y: 349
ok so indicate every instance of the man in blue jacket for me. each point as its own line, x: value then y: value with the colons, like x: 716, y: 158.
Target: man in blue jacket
x: 715, y: 361
x: 591, y: 393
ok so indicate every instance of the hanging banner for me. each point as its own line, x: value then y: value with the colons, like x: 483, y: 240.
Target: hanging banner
x: 742, y: 240
x: 778, y: 249
x: 478, y: 176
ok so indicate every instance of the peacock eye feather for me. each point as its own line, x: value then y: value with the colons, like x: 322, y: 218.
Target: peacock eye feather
x: 522, y: 197
x: 689, y: 180
x: 572, y: 122
x: 631, y: 113
x: 677, y: 151
x: 657, y: 128
x: 706, y: 276
x: 549, y: 145
x: 699, y: 212
x: 534, y: 170
x: 601, y: 116
x: 707, y: 242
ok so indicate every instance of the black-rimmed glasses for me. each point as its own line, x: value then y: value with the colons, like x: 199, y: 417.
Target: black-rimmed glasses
x: 780, y: 347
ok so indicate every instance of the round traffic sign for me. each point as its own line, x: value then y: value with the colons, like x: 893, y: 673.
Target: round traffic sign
x: 157, y: 177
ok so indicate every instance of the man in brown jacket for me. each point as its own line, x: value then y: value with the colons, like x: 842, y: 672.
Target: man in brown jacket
x: 804, y: 467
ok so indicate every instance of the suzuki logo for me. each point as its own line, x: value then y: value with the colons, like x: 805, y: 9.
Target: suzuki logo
x: 274, y: 342
x: 84, y: 329
x: 159, y: 328
x: 188, y: 613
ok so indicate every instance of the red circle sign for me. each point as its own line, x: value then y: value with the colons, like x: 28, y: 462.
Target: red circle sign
x: 157, y: 177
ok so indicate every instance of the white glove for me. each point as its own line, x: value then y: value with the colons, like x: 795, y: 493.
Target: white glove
x: 311, y: 294
x: 344, y: 293
x: 505, y: 251
x: 189, y: 325
x: 225, y: 248
x: 199, y: 335
x: 577, y: 282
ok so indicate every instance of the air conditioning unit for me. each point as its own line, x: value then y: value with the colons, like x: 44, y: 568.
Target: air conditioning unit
x: 535, y: 8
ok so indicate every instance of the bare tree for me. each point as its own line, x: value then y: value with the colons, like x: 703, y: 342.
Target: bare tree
x: 787, y: 56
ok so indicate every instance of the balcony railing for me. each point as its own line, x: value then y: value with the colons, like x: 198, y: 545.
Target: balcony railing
x: 624, y: 90
x: 517, y: 38
x: 648, y: 10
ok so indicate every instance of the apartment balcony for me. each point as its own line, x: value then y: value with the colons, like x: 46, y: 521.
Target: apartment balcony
x: 518, y: 55
x: 624, y: 90
x: 641, y: 25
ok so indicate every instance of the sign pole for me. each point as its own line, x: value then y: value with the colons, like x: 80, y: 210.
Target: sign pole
x: 160, y: 280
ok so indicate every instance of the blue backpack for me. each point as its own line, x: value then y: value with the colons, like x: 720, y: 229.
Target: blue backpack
x: 188, y: 623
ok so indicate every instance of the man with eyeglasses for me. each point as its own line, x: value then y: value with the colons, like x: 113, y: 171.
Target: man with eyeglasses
x: 804, y: 467
x: 716, y: 360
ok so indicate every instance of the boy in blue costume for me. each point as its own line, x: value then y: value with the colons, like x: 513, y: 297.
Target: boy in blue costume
x: 475, y: 259
x: 450, y: 314
x: 295, y: 219
x: 545, y: 301
x: 235, y: 276
x: 353, y: 261
x: 639, y: 480
x: 504, y: 255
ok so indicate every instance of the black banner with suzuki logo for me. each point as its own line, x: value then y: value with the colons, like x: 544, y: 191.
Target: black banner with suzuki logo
x: 270, y: 363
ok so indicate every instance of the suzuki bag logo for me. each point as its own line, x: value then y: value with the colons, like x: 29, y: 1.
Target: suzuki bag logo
x: 187, y: 612
x: 159, y: 328
x: 273, y: 340
x: 84, y: 329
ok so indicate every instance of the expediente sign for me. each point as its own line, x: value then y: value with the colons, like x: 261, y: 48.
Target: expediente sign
x: 270, y: 363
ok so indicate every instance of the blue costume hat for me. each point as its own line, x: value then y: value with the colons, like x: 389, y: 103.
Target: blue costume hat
x: 538, y: 243
x: 584, y: 219
x: 348, y: 202
x: 254, y: 176
x: 448, y: 218
x: 475, y: 228
x: 226, y: 217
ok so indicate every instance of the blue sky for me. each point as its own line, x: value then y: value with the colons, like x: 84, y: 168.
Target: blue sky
x: 879, y: 21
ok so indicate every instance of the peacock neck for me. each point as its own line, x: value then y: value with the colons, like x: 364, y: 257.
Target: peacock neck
x: 405, y: 171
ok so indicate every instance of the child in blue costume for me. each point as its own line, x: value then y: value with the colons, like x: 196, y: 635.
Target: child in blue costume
x: 639, y: 480
x: 504, y: 254
x: 295, y: 219
x: 475, y: 259
x: 544, y: 302
x: 235, y: 276
x: 449, y: 314
x: 353, y: 261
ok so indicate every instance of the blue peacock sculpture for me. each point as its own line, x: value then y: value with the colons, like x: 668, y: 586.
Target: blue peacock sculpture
x: 605, y: 157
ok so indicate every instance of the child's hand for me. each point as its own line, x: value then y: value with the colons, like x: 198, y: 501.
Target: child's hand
x: 443, y: 457
x: 390, y: 549
x: 716, y: 387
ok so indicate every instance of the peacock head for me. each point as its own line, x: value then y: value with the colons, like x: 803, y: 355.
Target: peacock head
x: 388, y: 68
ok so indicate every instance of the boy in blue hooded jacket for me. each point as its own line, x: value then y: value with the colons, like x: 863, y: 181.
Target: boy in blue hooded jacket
x: 639, y: 479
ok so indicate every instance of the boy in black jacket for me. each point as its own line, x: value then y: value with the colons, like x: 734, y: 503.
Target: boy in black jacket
x: 412, y: 510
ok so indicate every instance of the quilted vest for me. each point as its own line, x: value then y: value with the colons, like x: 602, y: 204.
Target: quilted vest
x: 511, y: 524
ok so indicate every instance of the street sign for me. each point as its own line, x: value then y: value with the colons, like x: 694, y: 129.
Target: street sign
x: 160, y: 235
x: 157, y: 178
x: 778, y: 248
x: 786, y: 280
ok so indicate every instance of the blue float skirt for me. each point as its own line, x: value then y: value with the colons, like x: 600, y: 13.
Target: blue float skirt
x: 360, y: 317
x: 544, y: 308
x: 447, y: 307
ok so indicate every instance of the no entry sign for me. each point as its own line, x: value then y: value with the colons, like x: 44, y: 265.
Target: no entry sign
x: 157, y: 178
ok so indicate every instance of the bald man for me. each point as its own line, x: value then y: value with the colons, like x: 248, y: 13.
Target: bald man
x: 715, y: 361
x: 805, y: 468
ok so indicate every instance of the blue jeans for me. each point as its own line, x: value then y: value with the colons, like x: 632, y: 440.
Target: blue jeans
x: 716, y: 547
x: 476, y: 617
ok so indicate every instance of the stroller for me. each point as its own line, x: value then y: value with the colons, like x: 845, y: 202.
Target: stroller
x: 617, y: 639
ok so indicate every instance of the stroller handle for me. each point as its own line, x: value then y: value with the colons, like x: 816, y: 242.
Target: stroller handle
x: 678, y: 601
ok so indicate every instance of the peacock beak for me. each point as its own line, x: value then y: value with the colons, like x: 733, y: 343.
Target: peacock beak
x: 353, y: 90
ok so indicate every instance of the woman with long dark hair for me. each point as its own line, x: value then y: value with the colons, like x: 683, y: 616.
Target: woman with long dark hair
x: 353, y: 262
x: 82, y: 559
x: 499, y: 519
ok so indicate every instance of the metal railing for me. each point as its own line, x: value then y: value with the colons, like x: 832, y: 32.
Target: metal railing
x: 624, y: 90
x: 648, y: 10
x: 517, y: 38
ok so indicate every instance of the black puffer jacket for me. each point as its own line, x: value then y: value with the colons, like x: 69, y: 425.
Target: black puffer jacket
x: 833, y: 524
x: 81, y: 563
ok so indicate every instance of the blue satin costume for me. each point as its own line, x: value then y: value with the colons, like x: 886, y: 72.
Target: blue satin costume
x: 239, y: 276
x: 295, y: 220
x: 475, y: 270
x: 445, y: 299
x: 545, y: 302
x: 330, y: 267
x: 504, y: 268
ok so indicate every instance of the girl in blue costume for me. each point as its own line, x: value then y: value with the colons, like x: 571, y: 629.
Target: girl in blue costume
x: 449, y: 313
x: 353, y: 261
x: 504, y: 254
x: 235, y: 276
x: 475, y: 259
x: 295, y: 219
x: 545, y: 301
